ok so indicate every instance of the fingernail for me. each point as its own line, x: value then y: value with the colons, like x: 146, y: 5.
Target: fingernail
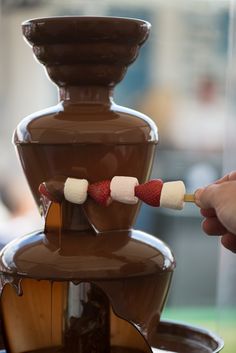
x: 197, y: 196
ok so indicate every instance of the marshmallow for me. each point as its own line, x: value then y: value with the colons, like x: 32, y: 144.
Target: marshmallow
x: 172, y: 195
x: 123, y: 189
x: 75, y: 190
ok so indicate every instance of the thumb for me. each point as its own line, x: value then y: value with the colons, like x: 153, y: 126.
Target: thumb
x: 207, y: 197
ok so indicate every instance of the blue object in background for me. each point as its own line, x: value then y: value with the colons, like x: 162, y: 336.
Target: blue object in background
x: 138, y: 77
x: 223, y: 20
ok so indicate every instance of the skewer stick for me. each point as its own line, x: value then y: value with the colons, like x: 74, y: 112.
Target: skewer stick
x: 189, y: 198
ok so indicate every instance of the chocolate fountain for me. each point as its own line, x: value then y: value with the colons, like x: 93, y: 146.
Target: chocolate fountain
x: 88, y: 283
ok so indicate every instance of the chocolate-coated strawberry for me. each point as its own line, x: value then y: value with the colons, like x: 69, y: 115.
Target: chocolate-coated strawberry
x: 53, y: 189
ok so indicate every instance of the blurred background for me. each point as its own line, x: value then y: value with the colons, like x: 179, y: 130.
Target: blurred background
x: 185, y: 80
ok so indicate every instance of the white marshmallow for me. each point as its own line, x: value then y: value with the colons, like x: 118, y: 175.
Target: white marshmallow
x: 172, y: 195
x: 123, y: 189
x: 75, y: 190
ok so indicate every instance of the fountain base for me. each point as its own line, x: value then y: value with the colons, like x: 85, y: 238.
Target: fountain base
x: 171, y: 337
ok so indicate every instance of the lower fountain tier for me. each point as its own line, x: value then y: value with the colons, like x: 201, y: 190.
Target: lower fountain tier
x: 77, y: 288
x: 128, y: 272
x: 84, y: 256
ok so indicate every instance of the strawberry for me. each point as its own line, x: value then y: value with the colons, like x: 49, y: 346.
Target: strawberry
x: 150, y: 192
x: 100, y: 192
x: 44, y: 191
x: 53, y: 189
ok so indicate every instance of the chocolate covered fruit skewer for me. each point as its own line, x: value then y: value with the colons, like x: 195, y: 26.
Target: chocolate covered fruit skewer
x: 123, y: 189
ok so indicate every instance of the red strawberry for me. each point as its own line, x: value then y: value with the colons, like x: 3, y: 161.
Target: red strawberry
x: 150, y: 192
x: 100, y: 192
x: 44, y: 191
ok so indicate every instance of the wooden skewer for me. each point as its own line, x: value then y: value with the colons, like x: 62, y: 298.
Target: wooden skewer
x: 189, y: 198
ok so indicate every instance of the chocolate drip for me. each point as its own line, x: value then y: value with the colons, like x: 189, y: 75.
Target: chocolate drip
x: 14, y: 281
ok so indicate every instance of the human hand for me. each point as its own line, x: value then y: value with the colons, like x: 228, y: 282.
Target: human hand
x: 218, y: 205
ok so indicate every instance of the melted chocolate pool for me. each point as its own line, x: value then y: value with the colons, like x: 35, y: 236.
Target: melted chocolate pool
x: 114, y: 349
